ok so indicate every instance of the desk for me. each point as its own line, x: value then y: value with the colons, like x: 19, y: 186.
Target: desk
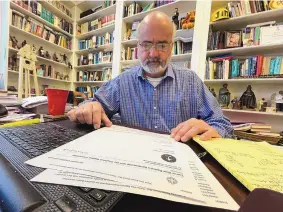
x: 138, y: 203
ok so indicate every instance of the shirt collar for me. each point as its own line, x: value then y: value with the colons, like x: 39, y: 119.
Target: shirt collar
x: 169, y: 72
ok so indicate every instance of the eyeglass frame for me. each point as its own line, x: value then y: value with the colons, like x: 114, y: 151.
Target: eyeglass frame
x: 155, y: 45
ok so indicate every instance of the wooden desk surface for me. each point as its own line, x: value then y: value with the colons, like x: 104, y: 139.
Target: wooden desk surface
x: 138, y: 203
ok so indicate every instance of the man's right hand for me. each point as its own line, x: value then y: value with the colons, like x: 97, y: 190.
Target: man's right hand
x: 90, y: 113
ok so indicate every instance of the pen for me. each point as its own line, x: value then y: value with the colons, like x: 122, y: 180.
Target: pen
x: 21, y: 123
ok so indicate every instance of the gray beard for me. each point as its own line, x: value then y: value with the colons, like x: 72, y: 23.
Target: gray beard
x: 154, y: 70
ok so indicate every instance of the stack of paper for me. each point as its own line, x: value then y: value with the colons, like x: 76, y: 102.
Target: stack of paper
x: 123, y: 159
x: 254, y: 164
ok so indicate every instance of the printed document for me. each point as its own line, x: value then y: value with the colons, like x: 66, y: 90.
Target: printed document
x: 134, y: 161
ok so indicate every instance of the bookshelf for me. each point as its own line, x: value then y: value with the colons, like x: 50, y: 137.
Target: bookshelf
x: 34, y: 19
x: 262, y: 86
x: 16, y: 7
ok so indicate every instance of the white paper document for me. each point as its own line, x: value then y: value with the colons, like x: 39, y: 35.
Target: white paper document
x: 134, y: 161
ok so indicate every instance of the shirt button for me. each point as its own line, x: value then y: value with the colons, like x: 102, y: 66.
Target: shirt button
x: 154, y: 89
x: 155, y: 127
x: 154, y: 108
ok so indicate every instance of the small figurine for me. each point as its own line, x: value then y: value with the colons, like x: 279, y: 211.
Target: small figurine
x: 213, y: 92
x: 14, y: 42
x: 248, y: 99
x: 55, y: 58
x: 24, y: 43
x: 189, y: 21
x: 47, y: 55
x: 224, y: 96
x: 64, y: 58
x: 33, y: 48
x: 279, y: 101
x: 41, y: 52
x: 70, y: 65
x: 66, y: 77
x: 236, y: 103
x: 175, y: 18
x: 262, y: 105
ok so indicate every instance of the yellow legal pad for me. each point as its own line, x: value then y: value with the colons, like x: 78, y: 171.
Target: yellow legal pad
x: 254, y: 164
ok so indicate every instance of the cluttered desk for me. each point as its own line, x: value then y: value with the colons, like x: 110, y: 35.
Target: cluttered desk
x: 78, y: 186
x: 51, y: 165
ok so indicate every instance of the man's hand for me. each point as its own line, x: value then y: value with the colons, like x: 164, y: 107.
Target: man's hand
x: 188, y: 129
x: 90, y: 113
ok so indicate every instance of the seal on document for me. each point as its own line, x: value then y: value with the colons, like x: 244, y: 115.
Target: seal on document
x: 168, y: 158
x: 172, y: 180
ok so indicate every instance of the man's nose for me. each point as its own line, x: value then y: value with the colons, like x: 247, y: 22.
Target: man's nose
x: 153, y: 52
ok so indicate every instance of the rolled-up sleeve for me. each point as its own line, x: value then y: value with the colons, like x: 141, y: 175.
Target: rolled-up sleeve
x: 210, y: 111
x: 109, y: 97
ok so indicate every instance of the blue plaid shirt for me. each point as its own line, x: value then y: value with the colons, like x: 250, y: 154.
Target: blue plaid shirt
x: 181, y: 95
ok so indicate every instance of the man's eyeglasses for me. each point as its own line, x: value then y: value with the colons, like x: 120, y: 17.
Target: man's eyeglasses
x: 159, y: 46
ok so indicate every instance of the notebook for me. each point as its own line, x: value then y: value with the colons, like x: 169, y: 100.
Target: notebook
x: 254, y: 164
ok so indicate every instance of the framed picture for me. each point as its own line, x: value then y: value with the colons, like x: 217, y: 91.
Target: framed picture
x: 233, y: 39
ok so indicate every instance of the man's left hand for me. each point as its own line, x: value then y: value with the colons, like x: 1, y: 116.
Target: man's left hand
x: 192, y: 127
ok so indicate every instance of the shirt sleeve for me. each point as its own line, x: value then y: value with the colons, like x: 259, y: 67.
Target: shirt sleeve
x: 210, y: 111
x: 109, y: 97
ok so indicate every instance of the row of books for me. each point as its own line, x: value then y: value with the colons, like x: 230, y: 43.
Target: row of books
x: 181, y: 47
x: 36, y: 28
x: 104, y: 5
x: 259, y: 66
x: 89, y: 91
x: 131, y: 31
x: 245, y: 7
x: 135, y: 7
x: 130, y: 54
x: 36, y: 8
x: 95, y: 58
x: 96, y: 41
x: 45, y: 71
x: 60, y: 7
x: 95, y: 24
x: 101, y: 75
x: 251, y: 35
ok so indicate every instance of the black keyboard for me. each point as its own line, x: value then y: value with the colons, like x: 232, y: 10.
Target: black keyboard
x: 38, y: 139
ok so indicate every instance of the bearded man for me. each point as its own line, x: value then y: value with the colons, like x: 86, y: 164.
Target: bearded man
x: 156, y: 94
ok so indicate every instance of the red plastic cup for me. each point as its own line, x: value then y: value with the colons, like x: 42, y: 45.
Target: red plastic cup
x: 57, y: 99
